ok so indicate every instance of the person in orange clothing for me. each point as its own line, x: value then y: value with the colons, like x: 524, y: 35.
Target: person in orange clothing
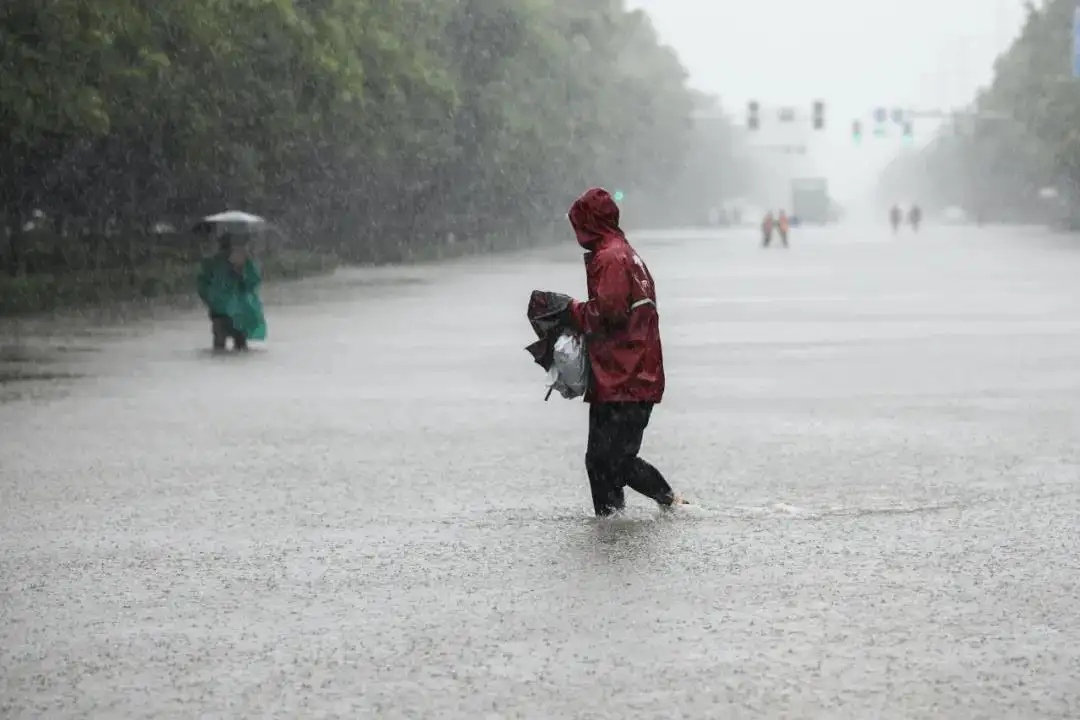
x: 783, y: 225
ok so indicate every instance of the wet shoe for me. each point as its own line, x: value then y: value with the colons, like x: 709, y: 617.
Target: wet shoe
x: 676, y: 499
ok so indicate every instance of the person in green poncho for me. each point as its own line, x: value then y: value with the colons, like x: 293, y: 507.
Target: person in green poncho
x: 228, y: 283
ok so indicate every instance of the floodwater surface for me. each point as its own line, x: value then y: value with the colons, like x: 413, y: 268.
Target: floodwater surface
x: 376, y: 515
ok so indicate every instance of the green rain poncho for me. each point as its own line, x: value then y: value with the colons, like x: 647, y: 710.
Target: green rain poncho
x: 233, y: 294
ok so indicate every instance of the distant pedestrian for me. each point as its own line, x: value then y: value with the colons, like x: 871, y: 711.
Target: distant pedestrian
x: 915, y: 217
x: 767, y: 226
x: 783, y: 226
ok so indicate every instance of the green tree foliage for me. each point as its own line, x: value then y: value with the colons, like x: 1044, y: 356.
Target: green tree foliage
x: 371, y: 127
x: 1019, y: 135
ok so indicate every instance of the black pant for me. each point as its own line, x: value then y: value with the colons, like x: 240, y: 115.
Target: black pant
x: 768, y: 239
x: 615, y: 432
x: 222, y: 327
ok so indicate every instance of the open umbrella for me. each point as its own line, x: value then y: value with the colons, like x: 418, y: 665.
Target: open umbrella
x: 232, y: 221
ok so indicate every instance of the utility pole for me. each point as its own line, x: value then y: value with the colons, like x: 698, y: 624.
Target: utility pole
x: 1076, y: 43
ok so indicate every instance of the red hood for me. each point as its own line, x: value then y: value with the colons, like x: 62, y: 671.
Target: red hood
x: 595, y: 217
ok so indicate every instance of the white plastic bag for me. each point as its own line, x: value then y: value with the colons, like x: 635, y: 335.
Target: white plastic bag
x: 569, y: 373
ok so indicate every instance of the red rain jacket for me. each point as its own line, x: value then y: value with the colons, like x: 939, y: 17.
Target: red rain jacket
x: 620, y: 319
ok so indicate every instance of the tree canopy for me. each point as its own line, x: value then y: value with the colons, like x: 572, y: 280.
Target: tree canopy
x: 1019, y: 135
x: 368, y: 126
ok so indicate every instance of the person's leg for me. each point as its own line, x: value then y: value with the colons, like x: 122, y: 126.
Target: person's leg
x: 220, y: 327
x: 230, y: 331
x: 640, y: 475
x: 600, y: 463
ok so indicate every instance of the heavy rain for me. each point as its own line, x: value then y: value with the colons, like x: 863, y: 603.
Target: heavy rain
x: 292, y: 297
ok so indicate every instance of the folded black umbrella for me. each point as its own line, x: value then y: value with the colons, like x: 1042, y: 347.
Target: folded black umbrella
x: 548, y: 313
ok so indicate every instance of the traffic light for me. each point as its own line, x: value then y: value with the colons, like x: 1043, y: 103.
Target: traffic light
x: 856, y: 131
x: 618, y: 195
x: 881, y: 115
x: 753, y: 112
x: 819, y: 115
x: 909, y: 133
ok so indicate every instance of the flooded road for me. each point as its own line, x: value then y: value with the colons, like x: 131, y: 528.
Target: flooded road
x: 376, y: 515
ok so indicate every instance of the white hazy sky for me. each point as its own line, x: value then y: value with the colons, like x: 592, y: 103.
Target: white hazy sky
x: 853, y: 54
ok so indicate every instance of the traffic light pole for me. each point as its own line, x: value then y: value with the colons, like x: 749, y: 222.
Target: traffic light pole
x: 785, y: 115
x: 907, y: 116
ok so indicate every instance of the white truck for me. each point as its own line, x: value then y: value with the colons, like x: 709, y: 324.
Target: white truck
x: 810, y: 202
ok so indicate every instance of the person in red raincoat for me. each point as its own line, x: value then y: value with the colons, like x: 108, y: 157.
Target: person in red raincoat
x: 622, y: 334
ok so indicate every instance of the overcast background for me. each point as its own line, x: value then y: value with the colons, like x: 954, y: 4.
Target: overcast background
x: 853, y: 54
